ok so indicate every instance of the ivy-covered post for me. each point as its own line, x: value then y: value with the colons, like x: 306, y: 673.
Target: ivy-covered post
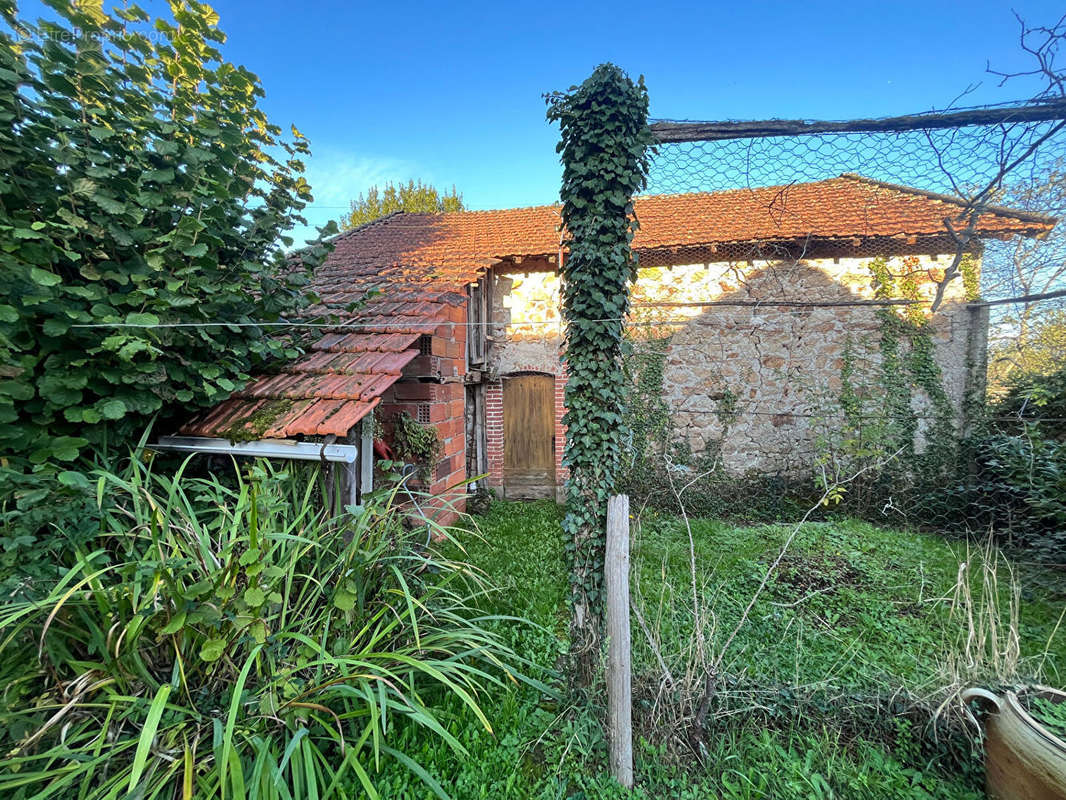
x: 604, y: 141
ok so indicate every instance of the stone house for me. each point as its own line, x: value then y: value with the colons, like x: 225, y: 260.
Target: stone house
x: 760, y: 291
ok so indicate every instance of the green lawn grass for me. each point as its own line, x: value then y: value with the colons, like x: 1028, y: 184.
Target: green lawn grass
x: 854, y: 605
x: 854, y: 612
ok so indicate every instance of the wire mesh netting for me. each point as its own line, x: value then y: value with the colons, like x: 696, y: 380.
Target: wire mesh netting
x: 869, y: 313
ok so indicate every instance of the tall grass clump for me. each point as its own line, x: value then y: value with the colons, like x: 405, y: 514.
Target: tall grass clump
x: 220, y: 640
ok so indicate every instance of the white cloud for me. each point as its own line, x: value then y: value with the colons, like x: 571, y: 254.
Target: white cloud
x: 337, y: 178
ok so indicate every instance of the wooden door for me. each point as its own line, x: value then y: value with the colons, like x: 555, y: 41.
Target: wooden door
x: 528, y: 432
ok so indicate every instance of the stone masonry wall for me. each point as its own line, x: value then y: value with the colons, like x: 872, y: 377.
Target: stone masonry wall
x: 754, y: 381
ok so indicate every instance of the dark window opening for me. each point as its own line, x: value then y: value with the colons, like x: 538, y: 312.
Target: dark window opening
x: 478, y: 318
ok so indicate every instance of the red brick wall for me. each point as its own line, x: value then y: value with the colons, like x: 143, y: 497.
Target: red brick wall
x: 494, y: 432
x: 442, y: 405
x: 561, y: 472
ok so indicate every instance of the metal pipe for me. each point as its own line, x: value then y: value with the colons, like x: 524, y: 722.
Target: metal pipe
x: 262, y: 448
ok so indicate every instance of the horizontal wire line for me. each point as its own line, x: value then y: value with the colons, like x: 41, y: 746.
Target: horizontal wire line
x: 840, y: 413
x: 379, y: 325
x: 756, y: 306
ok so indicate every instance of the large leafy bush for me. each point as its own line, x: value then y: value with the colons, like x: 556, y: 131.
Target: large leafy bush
x: 140, y: 184
x: 1020, y: 483
x: 1034, y: 398
x: 216, y: 640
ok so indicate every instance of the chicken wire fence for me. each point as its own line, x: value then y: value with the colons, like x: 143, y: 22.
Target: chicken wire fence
x: 878, y: 326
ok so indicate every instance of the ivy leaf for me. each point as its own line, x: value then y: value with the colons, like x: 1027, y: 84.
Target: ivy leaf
x: 212, y: 650
x: 75, y: 480
x: 112, y: 409
x: 344, y: 600
x: 44, y: 277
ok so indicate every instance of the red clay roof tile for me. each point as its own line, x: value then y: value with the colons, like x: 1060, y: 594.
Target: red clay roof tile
x: 406, y: 271
x: 304, y: 418
x: 442, y: 252
x: 345, y: 417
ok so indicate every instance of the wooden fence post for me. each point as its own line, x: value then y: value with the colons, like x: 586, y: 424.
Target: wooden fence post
x: 619, y: 676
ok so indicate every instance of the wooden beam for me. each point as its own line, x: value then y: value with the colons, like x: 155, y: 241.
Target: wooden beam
x: 666, y: 132
x: 350, y: 485
x: 619, y: 663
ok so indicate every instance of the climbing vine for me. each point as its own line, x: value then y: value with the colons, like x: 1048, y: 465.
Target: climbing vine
x: 604, y: 141
x: 418, y: 444
x: 646, y: 417
x: 971, y: 278
x: 908, y: 364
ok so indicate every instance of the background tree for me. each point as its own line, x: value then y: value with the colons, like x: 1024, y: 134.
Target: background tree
x: 140, y: 185
x: 413, y: 196
x: 1014, y: 359
x: 1024, y: 336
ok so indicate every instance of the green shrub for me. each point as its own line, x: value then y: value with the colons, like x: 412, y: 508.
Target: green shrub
x: 1022, y: 483
x: 1034, y: 398
x: 45, y: 515
x: 1017, y: 482
x: 140, y: 185
x: 229, y: 641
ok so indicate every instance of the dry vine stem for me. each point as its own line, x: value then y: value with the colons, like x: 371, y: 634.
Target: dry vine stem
x: 712, y: 670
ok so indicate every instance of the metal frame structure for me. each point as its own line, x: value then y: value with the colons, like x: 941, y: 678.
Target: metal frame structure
x: 357, y: 460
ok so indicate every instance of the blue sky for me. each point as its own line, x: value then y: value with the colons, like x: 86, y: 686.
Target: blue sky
x: 452, y: 92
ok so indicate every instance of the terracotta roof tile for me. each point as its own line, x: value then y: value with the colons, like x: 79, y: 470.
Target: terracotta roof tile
x: 325, y: 392
x: 304, y: 419
x: 365, y: 342
x: 405, y: 272
x: 441, y: 252
x: 345, y: 417
x: 287, y: 423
